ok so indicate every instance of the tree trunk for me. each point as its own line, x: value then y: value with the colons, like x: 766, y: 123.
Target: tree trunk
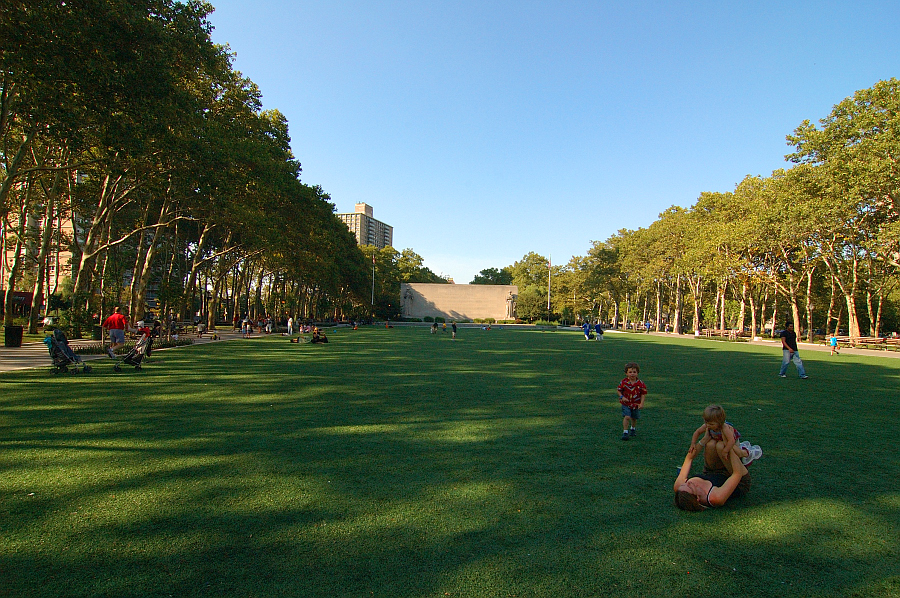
x: 753, y: 330
x: 830, y: 315
x: 721, y: 292
x: 17, y: 255
x: 809, y: 305
x: 774, y: 311
x: 52, y: 196
x: 144, y: 268
x: 679, y: 306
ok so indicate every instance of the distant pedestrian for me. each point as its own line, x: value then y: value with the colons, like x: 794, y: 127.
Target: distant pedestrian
x: 833, y: 341
x: 453, y: 325
x: 116, y: 324
x: 790, y: 353
x: 587, y: 330
x: 290, y: 325
x: 598, y: 331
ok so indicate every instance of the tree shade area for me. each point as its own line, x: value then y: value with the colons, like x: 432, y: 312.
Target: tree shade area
x: 817, y: 244
x: 485, y: 466
x: 138, y: 168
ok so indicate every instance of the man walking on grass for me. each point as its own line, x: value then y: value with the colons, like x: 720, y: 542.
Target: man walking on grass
x: 790, y: 353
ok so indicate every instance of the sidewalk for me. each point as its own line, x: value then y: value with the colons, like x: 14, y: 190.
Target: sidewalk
x: 35, y: 354
x: 775, y: 345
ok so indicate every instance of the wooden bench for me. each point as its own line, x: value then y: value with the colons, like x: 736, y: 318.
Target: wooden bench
x: 723, y: 333
x: 868, y: 342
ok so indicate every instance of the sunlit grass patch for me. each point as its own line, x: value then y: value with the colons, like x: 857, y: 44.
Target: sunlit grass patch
x: 394, y: 463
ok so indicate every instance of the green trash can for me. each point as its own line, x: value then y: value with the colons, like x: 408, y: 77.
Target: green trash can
x: 97, y: 334
x: 13, y: 336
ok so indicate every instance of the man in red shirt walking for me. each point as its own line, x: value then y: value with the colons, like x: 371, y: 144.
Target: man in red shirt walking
x: 117, y: 324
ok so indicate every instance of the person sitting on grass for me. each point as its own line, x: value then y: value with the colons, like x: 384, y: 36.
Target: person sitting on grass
x: 715, y: 486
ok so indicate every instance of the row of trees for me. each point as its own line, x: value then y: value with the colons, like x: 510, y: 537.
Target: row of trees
x: 135, y: 163
x: 818, y: 243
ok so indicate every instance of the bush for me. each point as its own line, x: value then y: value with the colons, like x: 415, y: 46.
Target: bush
x: 428, y: 319
x: 439, y: 320
x: 98, y: 349
x: 489, y: 320
x: 478, y: 320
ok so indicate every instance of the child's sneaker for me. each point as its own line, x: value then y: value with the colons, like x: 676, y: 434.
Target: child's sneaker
x: 632, y: 432
x: 755, y: 453
x: 109, y: 352
x: 625, y: 435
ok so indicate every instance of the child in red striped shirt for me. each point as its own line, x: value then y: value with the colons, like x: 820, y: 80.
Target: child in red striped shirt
x: 631, y: 395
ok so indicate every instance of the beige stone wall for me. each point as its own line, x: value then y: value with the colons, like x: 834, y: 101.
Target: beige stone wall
x: 458, y: 301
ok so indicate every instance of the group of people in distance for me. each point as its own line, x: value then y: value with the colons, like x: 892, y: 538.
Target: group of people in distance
x: 434, y: 329
x: 725, y: 456
x: 597, y: 329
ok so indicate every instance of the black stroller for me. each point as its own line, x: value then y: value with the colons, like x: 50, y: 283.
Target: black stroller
x: 64, y: 358
x: 137, y: 354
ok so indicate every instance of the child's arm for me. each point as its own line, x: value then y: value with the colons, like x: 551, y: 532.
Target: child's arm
x: 728, y: 435
x: 643, y: 390
x: 697, y: 433
x: 621, y: 392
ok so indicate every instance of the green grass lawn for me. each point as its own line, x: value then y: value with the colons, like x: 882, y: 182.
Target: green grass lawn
x: 397, y: 463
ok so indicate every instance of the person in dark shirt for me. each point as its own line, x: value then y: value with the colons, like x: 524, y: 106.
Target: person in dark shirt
x: 790, y: 353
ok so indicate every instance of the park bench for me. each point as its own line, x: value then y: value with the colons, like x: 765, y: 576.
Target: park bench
x: 870, y: 342
x: 723, y: 333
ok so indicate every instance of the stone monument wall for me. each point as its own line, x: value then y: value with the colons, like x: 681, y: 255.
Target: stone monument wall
x: 458, y: 301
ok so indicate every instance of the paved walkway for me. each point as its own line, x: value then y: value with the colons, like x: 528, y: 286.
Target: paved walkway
x: 35, y: 354
x: 775, y: 344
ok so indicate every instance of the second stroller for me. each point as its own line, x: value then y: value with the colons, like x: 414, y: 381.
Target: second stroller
x: 62, y: 354
x: 140, y: 350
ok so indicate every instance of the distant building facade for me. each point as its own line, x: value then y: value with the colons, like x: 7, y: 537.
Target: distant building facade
x: 458, y: 301
x: 368, y: 231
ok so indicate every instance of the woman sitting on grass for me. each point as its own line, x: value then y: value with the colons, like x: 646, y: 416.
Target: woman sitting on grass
x: 718, y: 482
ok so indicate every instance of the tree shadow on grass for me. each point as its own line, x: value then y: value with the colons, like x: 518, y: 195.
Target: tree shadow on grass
x: 392, y: 466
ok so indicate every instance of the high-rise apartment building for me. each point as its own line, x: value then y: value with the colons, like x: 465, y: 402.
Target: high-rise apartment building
x: 368, y: 231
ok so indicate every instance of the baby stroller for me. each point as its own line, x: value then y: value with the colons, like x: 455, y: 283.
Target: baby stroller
x: 63, y: 356
x: 137, y: 354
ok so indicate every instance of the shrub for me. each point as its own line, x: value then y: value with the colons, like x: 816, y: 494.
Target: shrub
x: 98, y: 349
x: 440, y: 320
x: 428, y: 319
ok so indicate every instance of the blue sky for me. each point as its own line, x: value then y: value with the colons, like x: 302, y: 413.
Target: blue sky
x: 484, y: 130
